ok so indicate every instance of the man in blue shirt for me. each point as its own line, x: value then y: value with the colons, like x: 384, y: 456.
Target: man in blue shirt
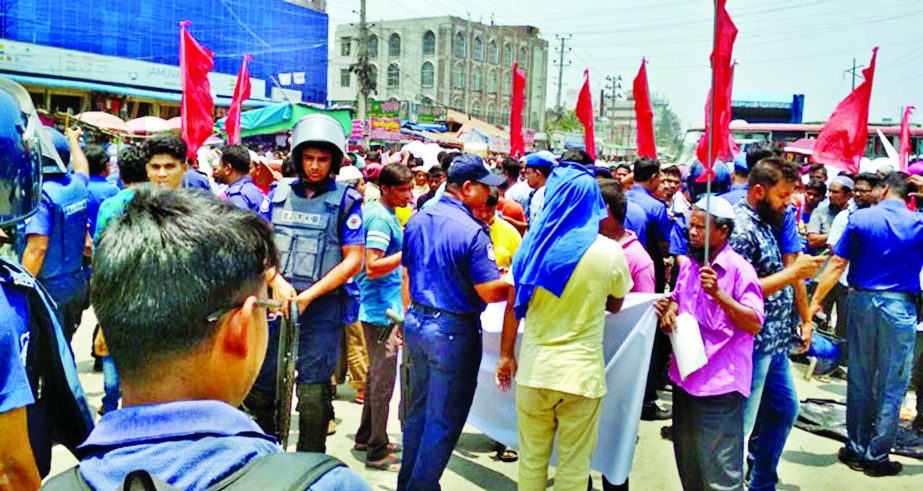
x: 318, y: 227
x: 453, y: 274
x: 56, y: 237
x: 234, y: 170
x: 881, y: 245
x: 380, y: 289
x: 772, y: 407
x: 188, y: 349
x: 98, y: 188
x: 658, y: 223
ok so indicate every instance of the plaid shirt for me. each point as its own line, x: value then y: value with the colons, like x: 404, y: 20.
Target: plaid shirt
x: 754, y: 240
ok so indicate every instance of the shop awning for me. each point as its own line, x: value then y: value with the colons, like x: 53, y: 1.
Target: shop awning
x: 159, y: 95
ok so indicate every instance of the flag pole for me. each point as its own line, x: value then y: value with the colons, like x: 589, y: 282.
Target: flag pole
x: 710, y: 135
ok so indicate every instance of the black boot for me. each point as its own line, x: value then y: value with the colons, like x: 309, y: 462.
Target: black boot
x: 313, y: 417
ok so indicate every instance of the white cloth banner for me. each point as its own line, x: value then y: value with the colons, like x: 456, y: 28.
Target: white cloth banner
x: 627, y: 345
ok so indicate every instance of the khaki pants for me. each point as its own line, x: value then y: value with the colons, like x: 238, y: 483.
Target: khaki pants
x: 354, y: 358
x: 542, y: 413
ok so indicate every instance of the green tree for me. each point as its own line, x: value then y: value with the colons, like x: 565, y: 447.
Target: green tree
x: 667, y: 127
x: 564, y: 123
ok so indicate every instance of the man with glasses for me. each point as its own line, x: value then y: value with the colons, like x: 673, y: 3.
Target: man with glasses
x: 185, y: 321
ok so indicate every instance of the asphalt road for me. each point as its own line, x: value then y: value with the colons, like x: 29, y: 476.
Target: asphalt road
x: 808, y: 463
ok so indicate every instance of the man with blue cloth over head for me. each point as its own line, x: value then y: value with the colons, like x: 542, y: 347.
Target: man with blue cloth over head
x: 567, y: 276
x: 453, y: 274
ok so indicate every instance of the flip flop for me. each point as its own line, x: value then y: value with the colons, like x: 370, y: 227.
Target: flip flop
x: 391, y: 463
x: 507, y: 455
x: 392, y: 447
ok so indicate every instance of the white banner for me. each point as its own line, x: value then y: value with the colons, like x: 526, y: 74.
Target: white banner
x: 627, y: 345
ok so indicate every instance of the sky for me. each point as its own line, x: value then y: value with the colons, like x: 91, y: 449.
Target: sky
x: 784, y: 46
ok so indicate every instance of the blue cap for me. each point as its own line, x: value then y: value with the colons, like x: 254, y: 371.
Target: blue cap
x: 540, y: 159
x: 740, y: 162
x: 719, y: 184
x: 470, y: 167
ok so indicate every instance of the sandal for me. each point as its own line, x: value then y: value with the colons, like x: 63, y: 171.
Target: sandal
x: 392, y: 447
x: 391, y: 463
x: 506, y: 455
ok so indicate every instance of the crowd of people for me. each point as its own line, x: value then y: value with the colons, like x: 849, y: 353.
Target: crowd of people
x: 191, y: 290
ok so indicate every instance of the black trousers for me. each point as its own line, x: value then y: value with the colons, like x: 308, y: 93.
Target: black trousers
x: 379, y: 387
x: 708, y: 440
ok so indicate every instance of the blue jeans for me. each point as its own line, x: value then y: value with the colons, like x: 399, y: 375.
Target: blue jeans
x: 769, y: 416
x: 881, y: 336
x: 111, y: 385
x: 445, y: 355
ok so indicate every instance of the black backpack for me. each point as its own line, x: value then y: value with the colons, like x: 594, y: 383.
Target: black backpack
x: 282, y: 471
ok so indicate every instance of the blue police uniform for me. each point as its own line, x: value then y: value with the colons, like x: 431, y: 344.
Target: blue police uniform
x: 736, y: 193
x: 883, y: 245
x: 98, y: 190
x: 446, y: 252
x: 310, y: 234
x: 243, y: 194
x: 63, y: 217
x: 190, y: 445
x: 196, y: 180
x: 636, y: 221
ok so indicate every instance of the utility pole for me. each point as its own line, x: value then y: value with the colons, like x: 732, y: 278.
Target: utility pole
x: 854, y: 71
x: 614, y: 86
x: 562, y: 51
x: 363, y: 71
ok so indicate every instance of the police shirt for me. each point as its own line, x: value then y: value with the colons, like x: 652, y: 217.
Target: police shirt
x: 15, y: 391
x: 351, y: 232
x: 41, y: 222
x: 196, y: 180
x: 447, y: 252
x: 243, y: 194
x: 655, y: 210
x: 98, y: 190
x: 636, y: 221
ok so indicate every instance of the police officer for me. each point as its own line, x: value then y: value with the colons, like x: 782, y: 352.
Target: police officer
x: 233, y: 169
x: 453, y: 274
x: 38, y: 378
x: 318, y: 228
x: 55, y: 237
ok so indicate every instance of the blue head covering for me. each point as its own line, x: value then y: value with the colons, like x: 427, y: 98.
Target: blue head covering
x: 567, y: 226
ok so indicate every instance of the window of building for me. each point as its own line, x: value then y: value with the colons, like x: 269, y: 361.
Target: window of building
x: 476, y: 109
x: 429, y: 43
x: 492, y: 113
x: 394, y: 45
x: 507, y: 55
x: 346, y: 44
x: 523, y: 57
x: 394, y: 76
x: 457, y: 104
x: 492, y: 80
x: 427, y: 75
x: 371, y: 46
x: 477, y: 83
x: 344, y: 77
x: 493, y: 52
x: 478, y: 49
x: 373, y: 76
x: 459, y: 45
x: 458, y: 76
x: 507, y: 81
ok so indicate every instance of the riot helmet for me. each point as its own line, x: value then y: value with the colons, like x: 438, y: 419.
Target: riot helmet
x: 23, y: 146
x: 320, y: 131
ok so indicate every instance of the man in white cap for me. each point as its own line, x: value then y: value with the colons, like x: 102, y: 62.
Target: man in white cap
x: 723, y: 294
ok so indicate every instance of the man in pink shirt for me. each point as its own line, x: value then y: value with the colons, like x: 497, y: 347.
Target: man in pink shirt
x: 723, y: 294
x: 613, y: 227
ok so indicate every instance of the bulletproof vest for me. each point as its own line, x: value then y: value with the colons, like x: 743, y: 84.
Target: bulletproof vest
x: 307, y: 233
x: 60, y: 413
x: 68, y: 204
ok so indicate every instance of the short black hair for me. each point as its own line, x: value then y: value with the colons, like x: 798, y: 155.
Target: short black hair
x: 602, y: 172
x: 493, y: 198
x: 770, y: 171
x: 171, y: 260
x: 446, y: 158
x: 869, y: 177
x: 623, y: 166
x: 395, y: 175
x: 237, y: 157
x: 817, y: 185
x: 673, y: 170
x: 754, y: 155
x: 817, y: 167
x: 898, y: 184
x: 97, y: 158
x: 511, y: 167
x: 133, y: 165
x: 645, y: 168
x: 545, y: 170
x: 165, y: 144
x: 578, y: 156
x: 614, y: 196
x: 436, y: 171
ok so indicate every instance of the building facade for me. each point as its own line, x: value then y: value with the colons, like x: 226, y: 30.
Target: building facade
x: 123, y: 57
x: 446, y: 61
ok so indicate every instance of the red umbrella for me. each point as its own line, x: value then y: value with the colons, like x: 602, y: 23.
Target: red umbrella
x: 803, y: 146
x: 148, y: 125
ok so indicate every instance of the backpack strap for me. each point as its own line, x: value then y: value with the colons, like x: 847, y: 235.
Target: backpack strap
x: 282, y: 471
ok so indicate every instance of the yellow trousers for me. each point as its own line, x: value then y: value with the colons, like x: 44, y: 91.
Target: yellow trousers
x: 542, y: 413
x: 354, y: 357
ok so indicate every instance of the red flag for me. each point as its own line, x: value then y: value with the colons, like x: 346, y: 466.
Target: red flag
x: 585, y: 114
x: 241, y: 93
x: 517, y: 144
x: 841, y: 142
x: 197, y: 108
x: 718, y: 105
x: 904, y: 153
x: 644, y: 115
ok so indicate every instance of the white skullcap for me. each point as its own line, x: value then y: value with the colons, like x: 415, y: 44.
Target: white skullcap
x: 349, y: 173
x: 720, y: 207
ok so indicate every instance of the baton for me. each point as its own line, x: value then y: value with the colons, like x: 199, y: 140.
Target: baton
x: 285, y: 377
x: 406, y: 399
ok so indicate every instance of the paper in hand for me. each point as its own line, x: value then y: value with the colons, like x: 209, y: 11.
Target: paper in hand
x: 687, y: 345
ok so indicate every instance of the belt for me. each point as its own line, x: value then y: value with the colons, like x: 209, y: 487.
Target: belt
x: 426, y: 309
x: 888, y: 294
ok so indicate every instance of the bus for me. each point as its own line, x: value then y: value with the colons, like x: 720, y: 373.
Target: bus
x: 781, y: 134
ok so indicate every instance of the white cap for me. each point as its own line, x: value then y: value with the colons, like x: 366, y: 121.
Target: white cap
x: 720, y: 207
x: 349, y: 173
